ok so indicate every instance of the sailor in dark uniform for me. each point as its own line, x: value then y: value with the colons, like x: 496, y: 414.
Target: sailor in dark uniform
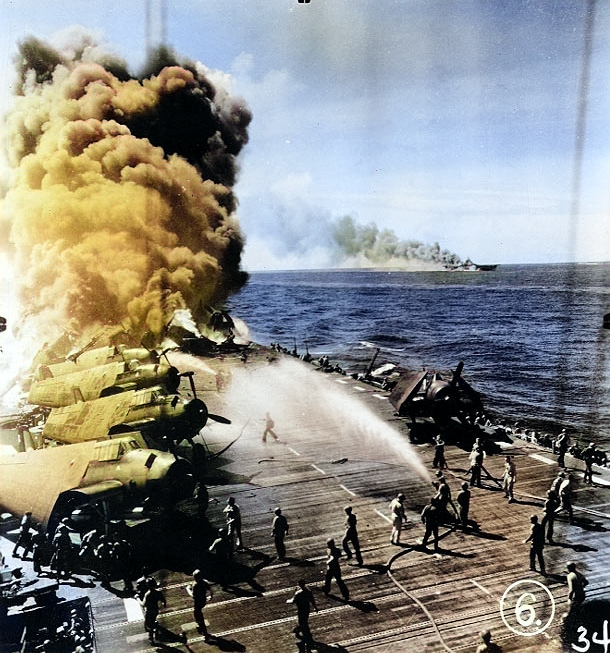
x: 351, y: 535
x: 439, y: 454
x: 333, y: 570
x: 199, y: 590
x: 430, y: 516
x: 304, y: 599
x: 589, y: 455
x: 25, y: 535
x: 536, y: 540
x: 279, y: 532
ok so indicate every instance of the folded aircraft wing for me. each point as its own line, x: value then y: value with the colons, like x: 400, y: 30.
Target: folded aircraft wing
x: 66, y: 389
x: 90, y: 420
x: 406, y: 388
x: 33, y: 480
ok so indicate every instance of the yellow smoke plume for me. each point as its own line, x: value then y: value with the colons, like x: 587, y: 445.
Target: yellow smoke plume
x: 110, y: 223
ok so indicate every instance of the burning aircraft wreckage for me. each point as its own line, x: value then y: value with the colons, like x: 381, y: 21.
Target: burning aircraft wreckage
x: 120, y: 212
x: 97, y: 442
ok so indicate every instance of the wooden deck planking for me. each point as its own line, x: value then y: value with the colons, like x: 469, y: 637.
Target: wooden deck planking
x: 461, y: 588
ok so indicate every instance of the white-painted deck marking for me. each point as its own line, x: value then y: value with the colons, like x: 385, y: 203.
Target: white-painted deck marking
x: 600, y: 481
x: 378, y: 396
x: 383, y: 516
x: 133, y: 609
x: 484, y: 589
x: 347, y: 490
x: 342, y: 381
x: 357, y: 387
x: 543, y: 459
x: 318, y: 469
x: 294, y: 451
x: 597, y: 513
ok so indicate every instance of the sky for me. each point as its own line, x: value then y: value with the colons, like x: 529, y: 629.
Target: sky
x: 449, y: 121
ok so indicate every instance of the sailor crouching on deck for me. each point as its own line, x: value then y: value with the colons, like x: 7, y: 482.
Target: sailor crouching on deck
x: 486, y: 645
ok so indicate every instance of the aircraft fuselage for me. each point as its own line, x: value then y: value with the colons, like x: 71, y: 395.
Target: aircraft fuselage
x: 49, y: 481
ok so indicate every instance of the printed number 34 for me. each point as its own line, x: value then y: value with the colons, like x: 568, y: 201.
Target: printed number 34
x: 582, y: 639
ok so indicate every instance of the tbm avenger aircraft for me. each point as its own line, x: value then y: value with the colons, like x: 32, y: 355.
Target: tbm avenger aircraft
x: 426, y: 394
x: 90, y: 398
x: 98, y: 372
x: 53, y: 482
x: 165, y: 420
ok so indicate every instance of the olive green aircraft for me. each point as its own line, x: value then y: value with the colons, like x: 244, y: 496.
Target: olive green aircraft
x: 96, y: 371
x: 165, y: 420
x: 95, y: 392
x: 106, y: 425
x: 53, y: 391
x: 53, y: 481
x: 48, y: 364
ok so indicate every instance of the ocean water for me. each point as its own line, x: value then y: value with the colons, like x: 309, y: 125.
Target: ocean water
x: 530, y: 336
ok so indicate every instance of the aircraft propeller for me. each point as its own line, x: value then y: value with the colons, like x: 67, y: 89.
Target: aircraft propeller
x: 198, y: 406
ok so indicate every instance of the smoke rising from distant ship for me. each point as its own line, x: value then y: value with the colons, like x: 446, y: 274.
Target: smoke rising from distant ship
x: 366, y: 246
x: 296, y: 234
x: 120, y: 208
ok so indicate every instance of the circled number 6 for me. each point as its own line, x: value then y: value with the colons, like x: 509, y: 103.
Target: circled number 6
x: 521, y: 608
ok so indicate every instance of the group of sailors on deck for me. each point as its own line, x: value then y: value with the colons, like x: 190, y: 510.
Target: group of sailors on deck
x: 558, y: 444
